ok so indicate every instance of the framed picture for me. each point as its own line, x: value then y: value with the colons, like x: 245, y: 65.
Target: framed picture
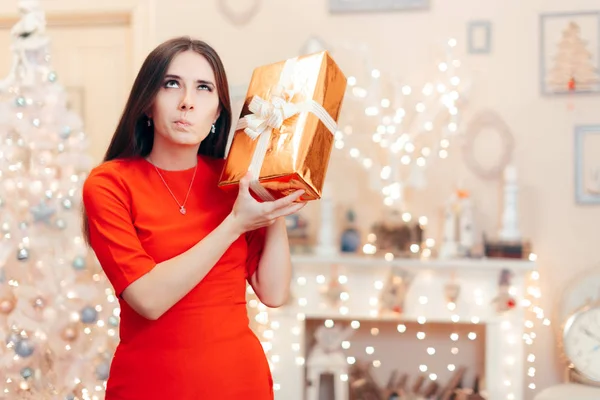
x: 479, y: 37
x: 343, y: 6
x: 570, y: 53
x: 587, y: 164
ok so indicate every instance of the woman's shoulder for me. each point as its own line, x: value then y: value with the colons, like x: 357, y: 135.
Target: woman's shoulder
x: 113, y: 172
x: 214, y: 164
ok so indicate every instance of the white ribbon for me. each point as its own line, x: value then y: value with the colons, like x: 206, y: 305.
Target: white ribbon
x: 267, y: 115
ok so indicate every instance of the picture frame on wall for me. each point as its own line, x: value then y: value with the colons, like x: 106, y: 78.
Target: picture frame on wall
x: 479, y: 37
x: 346, y: 6
x: 587, y: 164
x: 570, y: 53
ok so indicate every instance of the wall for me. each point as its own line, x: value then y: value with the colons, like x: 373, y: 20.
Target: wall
x: 507, y: 81
x: 563, y: 234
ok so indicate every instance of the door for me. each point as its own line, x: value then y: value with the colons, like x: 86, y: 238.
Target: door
x: 93, y: 60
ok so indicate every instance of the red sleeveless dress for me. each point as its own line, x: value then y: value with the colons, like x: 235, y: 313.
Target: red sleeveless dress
x: 202, y: 348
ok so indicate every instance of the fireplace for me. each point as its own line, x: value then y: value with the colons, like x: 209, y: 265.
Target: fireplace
x: 495, y: 343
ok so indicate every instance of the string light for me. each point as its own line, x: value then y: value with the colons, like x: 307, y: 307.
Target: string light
x: 407, y: 123
x: 532, y: 307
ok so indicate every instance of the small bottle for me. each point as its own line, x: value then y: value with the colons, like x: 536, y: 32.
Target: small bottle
x: 350, y: 241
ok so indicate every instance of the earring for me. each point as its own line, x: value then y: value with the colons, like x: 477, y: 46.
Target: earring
x: 149, y: 122
x: 212, y: 128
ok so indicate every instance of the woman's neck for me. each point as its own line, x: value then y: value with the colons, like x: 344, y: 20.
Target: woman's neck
x: 173, y: 158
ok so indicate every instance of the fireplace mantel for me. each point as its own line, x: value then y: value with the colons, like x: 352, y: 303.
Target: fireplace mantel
x: 282, y: 330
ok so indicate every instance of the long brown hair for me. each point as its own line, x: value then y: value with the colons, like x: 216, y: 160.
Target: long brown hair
x: 133, y: 137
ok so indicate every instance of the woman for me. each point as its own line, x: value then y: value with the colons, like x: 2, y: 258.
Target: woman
x: 177, y: 249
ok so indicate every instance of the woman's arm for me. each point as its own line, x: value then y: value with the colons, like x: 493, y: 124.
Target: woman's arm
x: 271, y: 281
x: 168, y: 282
x: 150, y: 288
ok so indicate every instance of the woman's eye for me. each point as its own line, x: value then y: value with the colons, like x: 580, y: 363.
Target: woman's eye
x: 205, y: 87
x: 171, y: 84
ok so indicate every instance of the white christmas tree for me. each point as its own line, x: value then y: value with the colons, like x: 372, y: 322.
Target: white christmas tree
x: 573, y: 68
x: 58, y: 314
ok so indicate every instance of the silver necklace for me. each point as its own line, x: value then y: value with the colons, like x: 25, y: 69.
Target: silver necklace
x: 182, y: 208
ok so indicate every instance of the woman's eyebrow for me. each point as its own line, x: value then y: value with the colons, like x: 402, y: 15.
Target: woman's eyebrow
x: 202, y: 81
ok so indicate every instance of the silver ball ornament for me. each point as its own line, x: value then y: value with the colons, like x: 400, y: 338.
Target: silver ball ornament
x: 102, y: 371
x: 65, y: 132
x: 26, y: 372
x: 13, y: 338
x: 67, y: 204
x: 24, y: 348
x: 61, y: 223
x: 79, y: 263
x: 89, y: 315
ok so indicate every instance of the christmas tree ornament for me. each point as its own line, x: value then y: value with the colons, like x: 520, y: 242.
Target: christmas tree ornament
x: 102, y: 371
x: 24, y: 348
x: 89, y: 315
x: 26, y: 373
x: 42, y: 212
x: 79, y: 263
x: 7, y: 304
x: 70, y: 333
x: 23, y: 254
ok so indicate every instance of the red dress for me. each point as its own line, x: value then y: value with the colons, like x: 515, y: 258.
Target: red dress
x: 202, y: 348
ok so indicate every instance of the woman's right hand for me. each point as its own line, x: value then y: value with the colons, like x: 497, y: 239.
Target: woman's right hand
x: 250, y: 214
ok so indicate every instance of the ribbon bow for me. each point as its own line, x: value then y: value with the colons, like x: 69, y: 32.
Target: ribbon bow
x: 269, y: 114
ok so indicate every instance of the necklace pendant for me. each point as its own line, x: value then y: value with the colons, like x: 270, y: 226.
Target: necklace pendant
x: 182, y: 210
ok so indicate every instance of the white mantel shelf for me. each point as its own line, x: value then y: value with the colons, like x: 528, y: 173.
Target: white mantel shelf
x: 482, y: 264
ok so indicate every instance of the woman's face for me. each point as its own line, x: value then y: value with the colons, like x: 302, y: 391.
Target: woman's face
x: 187, y: 104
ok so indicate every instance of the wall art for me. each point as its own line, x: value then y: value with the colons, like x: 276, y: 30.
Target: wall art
x: 570, y: 53
x: 587, y: 164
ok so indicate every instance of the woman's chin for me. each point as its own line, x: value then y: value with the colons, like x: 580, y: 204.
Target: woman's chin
x: 187, y: 139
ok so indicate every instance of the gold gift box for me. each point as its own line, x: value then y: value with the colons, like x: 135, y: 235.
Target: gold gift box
x: 286, y: 101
